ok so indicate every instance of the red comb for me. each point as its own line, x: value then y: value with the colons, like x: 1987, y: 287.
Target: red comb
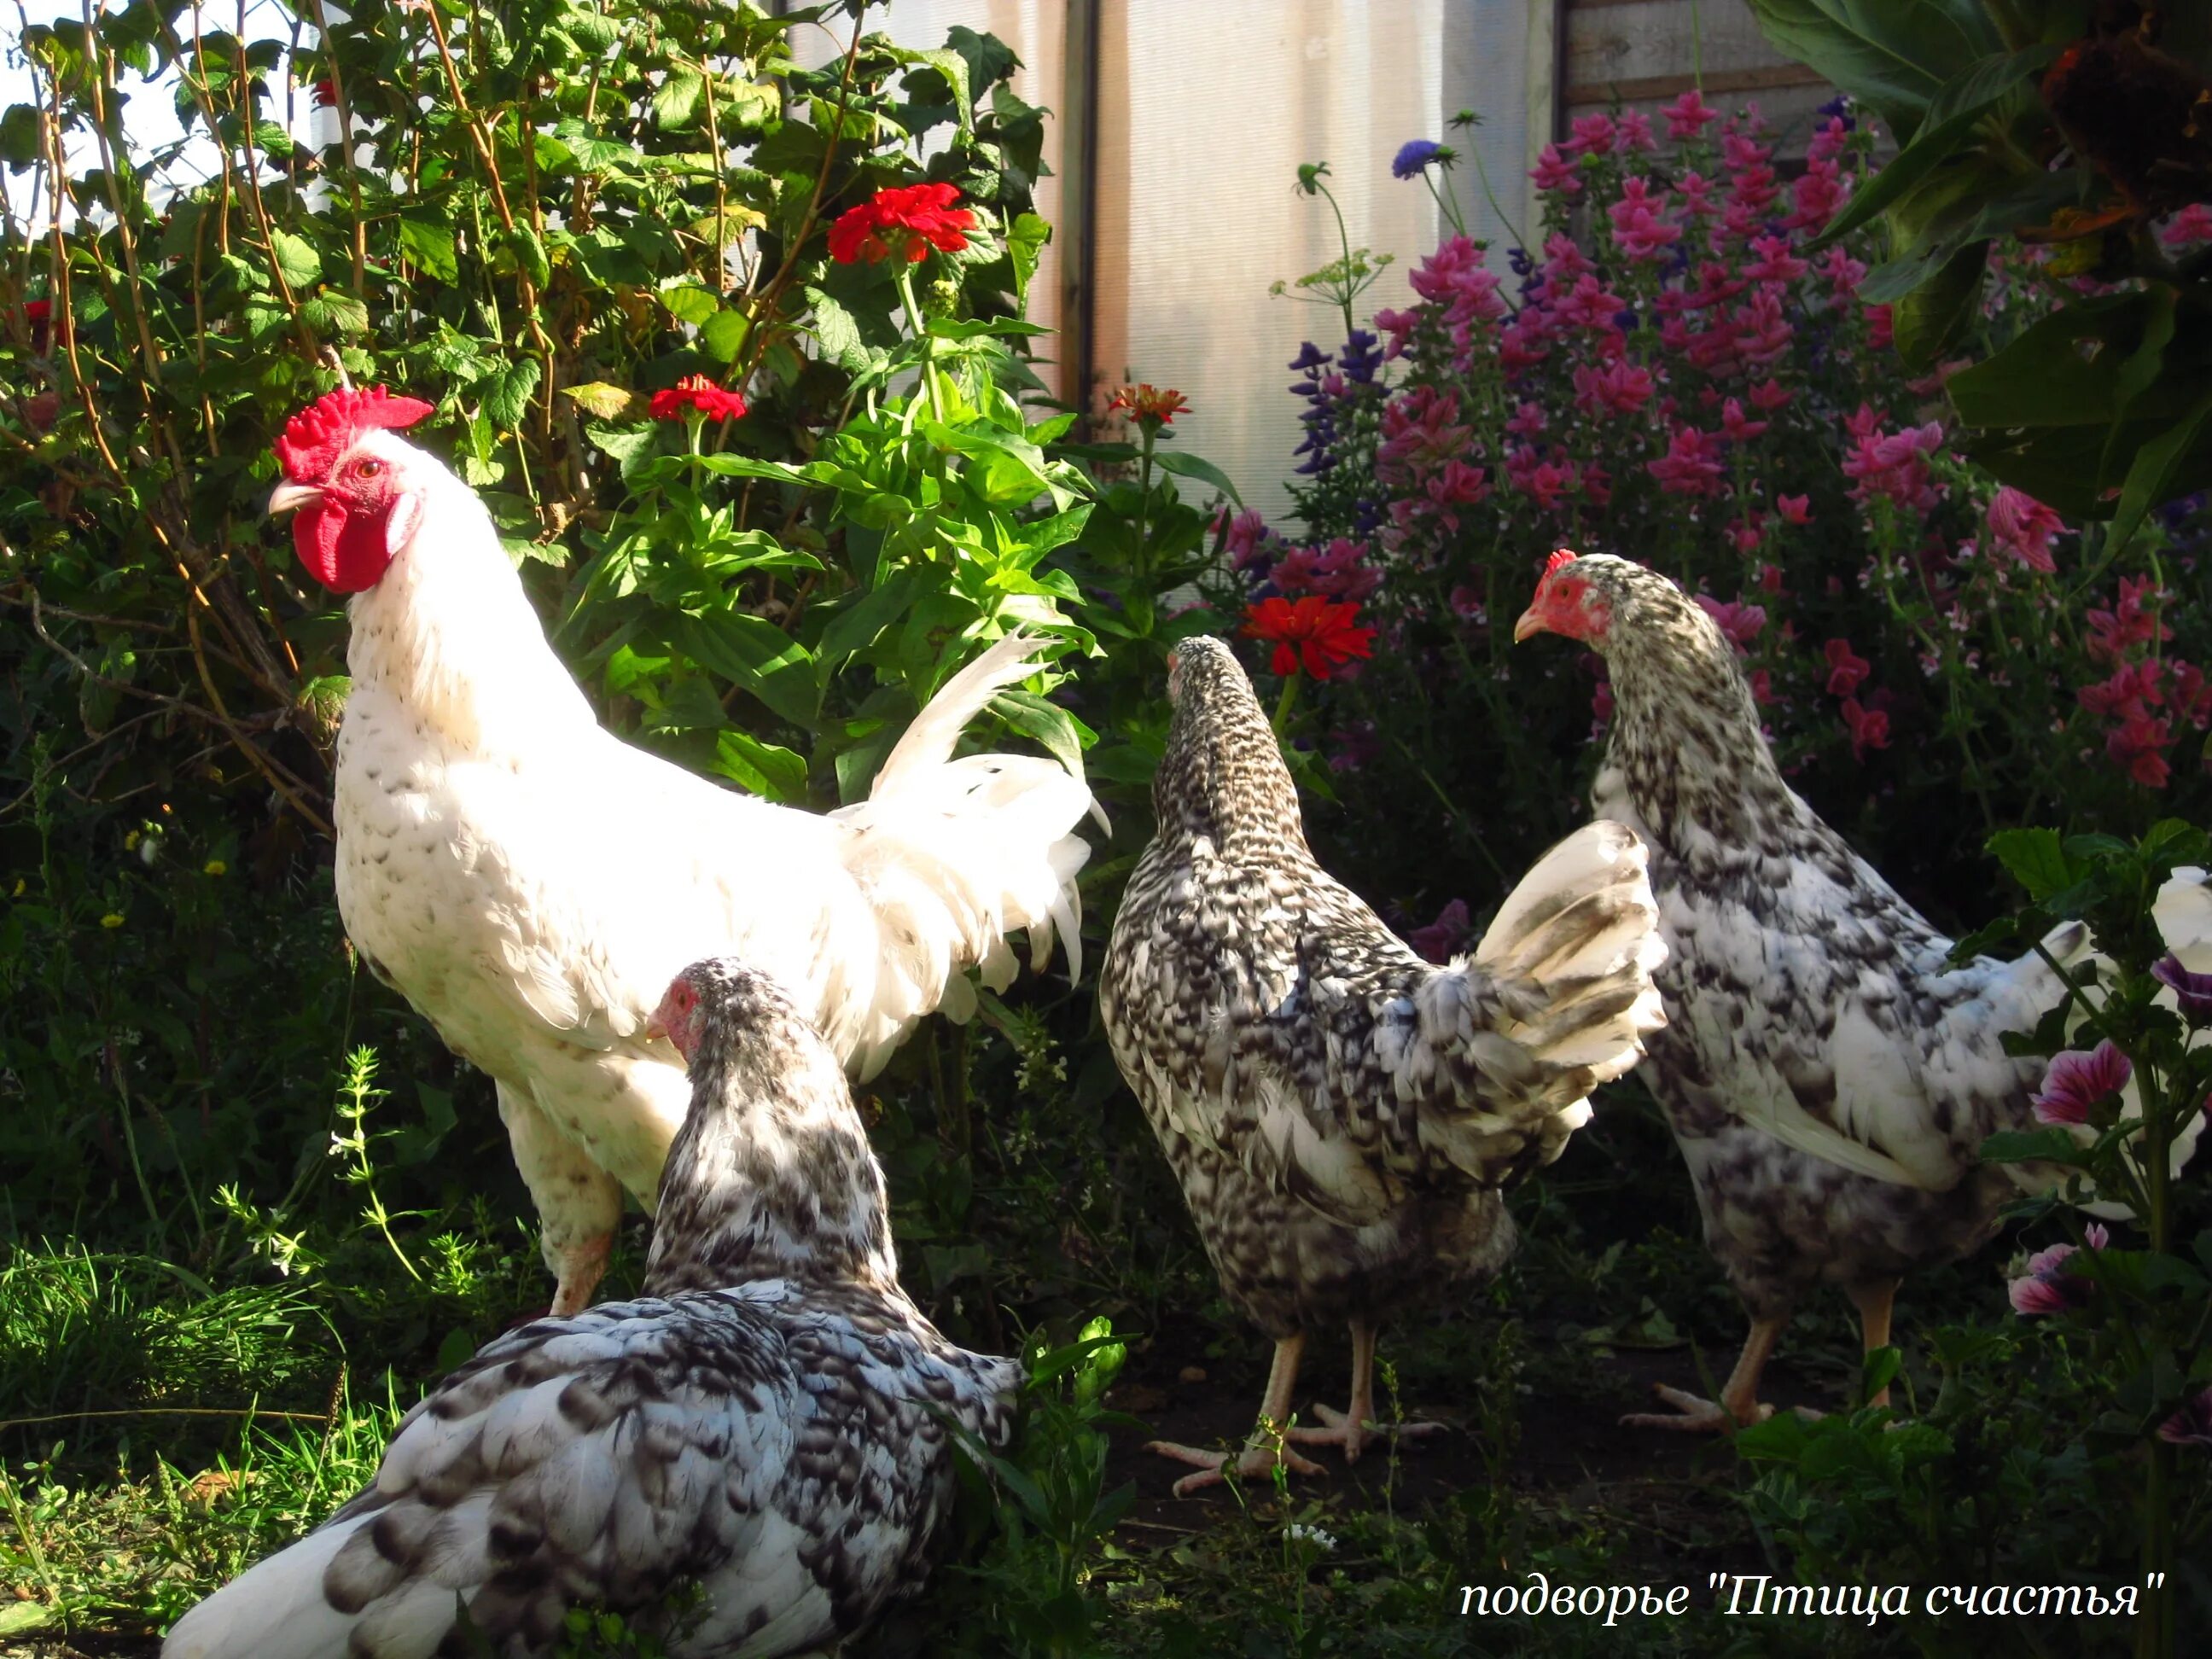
x: 315, y: 437
x: 1564, y: 556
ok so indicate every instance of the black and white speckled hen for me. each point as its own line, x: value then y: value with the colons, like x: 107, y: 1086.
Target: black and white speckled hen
x: 1828, y: 1074
x: 1340, y: 1112
x: 767, y: 1423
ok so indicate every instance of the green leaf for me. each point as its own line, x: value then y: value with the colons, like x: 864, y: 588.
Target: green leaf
x: 838, y: 332
x: 1897, y: 58
x: 676, y: 101
x: 755, y: 656
x: 723, y: 335
x: 608, y: 403
x: 507, y: 393
x: 1047, y: 723
x: 856, y: 627
x: 1191, y: 466
x: 1933, y: 315
x: 430, y: 243
x: 2049, y: 1145
x: 1954, y: 113
x: 2160, y: 473
x: 765, y: 768
x: 296, y: 258
x: 2036, y: 858
x: 688, y: 302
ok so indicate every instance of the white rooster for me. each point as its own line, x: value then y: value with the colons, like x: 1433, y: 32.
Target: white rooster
x: 530, y: 883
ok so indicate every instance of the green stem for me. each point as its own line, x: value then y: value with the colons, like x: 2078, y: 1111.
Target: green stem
x: 1282, y: 719
x: 1344, y: 242
x: 921, y: 335
x: 1147, y: 436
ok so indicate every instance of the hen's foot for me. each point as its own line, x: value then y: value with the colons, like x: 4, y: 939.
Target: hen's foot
x: 1693, y: 1414
x: 1253, y: 1463
x: 1339, y: 1429
x: 580, y: 1270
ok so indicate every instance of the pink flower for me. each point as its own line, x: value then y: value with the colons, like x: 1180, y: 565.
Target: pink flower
x: 1399, y: 326
x: 2076, y: 1082
x: 1466, y: 604
x: 2024, y: 527
x: 2128, y: 624
x: 1688, y: 115
x: 1241, y: 537
x: 2138, y: 745
x: 2048, y: 1287
x: 1444, y: 937
x: 1621, y: 388
x: 1636, y: 133
x: 1697, y: 194
x: 1869, y: 727
x: 1775, y: 261
x: 1879, y: 330
x: 1592, y: 135
x: 1735, y: 428
x: 2192, y: 1424
x: 1601, y: 706
x: 1846, y: 668
x: 1640, y: 229
x: 2188, y: 228
x: 1454, y: 276
x: 2133, y: 689
x: 1768, y: 395
x: 1842, y: 273
x: 1556, y: 172
x: 1740, y: 623
x: 1795, y: 509
x: 1692, y: 464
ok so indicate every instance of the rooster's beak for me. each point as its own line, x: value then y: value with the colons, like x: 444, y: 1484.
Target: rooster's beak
x: 287, y: 497
x: 1530, y: 624
x: 655, y: 1030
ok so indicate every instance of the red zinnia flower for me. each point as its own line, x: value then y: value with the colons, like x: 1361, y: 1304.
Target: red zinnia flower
x: 1311, y: 632
x: 325, y: 94
x: 907, y: 221
x: 696, y: 392
x: 1150, y: 406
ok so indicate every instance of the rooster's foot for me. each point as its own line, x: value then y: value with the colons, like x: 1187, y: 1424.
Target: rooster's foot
x: 1693, y: 1414
x: 1339, y: 1429
x: 1253, y: 1463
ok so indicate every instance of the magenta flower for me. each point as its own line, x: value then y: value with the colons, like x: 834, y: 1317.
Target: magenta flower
x: 1846, y: 669
x: 1592, y: 135
x: 2192, y: 993
x: 2189, y: 227
x: 1620, y: 388
x: 2024, y: 527
x: 1734, y: 426
x: 1740, y: 623
x: 2048, y: 1287
x: 2114, y: 633
x: 1770, y: 396
x: 1688, y: 116
x: 1556, y: 172
x: 2192, y: 1424
x: 1692, y: 464
x: 1775, y: 261
x: 1636, y: 133
x: 2076, y: 1082
x: 1640, y: 229
x: 1869, y: 727
x: 1445, y: 935
x: 1795, y: 509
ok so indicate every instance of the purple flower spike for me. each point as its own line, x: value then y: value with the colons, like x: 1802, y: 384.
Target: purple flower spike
x: 2192, y: 992
x: 2076, y: 1082
x: 2191, y: 1425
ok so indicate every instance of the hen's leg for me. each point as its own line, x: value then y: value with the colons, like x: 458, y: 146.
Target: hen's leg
x: 1874, y: 1303
x: 1257, y: 1460
x: 1351, y: 1427
x: 1738, y: 1407
x: 578, y: 1204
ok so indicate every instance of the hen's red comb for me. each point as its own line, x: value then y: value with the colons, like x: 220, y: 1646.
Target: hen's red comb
x: 315, y: 437
x: 1564, y: 556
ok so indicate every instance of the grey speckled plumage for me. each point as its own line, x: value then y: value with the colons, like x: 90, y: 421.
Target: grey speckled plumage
x: 1828, y: 1075
x: 1340, y: 1112
x: 767, y: 1423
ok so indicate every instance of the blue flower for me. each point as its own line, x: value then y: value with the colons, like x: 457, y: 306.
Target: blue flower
x: 1362, y: 356
x: 1310, y: 356
x: 1415, y: 157
x: 1838, y: 106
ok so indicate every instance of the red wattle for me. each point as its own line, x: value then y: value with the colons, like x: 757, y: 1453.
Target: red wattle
x: 344, y: 552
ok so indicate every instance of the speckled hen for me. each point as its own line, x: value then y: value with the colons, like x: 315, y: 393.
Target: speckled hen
x: 1828, y: 1074
x: 529, y: 883
x: 753, y: 1458
x: 1340, y: 1112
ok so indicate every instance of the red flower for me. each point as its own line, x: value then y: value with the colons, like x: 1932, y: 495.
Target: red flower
x: 1846, y: 668
x: 1150, y: 406
x: 1869, y: 727
x: 696, y: 392
x: 906, y: 220
x: 1312, y: 632
x: 325, y: 94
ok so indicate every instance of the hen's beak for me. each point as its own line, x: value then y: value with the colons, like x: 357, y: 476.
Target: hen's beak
x: 288, y: 496
x: 1530, y: 624
x: 655, y: 1030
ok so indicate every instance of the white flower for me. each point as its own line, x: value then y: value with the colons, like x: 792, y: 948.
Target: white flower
x: 1301, y: 1533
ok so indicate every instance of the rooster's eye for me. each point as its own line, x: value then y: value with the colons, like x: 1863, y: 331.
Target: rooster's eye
x: 366, y: 468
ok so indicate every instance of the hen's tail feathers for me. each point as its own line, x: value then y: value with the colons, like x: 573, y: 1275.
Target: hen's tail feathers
x: 277, y: 1610
x: 956, y: 853
x: 1565, y: 971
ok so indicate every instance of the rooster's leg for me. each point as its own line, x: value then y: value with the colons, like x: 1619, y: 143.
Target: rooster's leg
x: 1873, y: 1302
x: 1257, y: 1460
x: 1351, y: 1427
x: 579, y: 1203
x: 1738, y: 1406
